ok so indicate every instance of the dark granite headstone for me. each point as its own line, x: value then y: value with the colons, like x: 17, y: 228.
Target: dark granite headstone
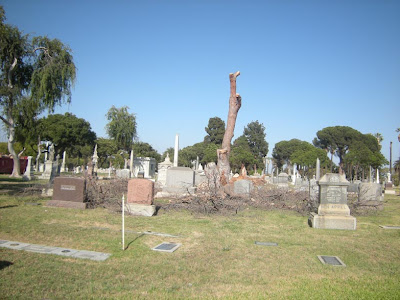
x: 68, y: 192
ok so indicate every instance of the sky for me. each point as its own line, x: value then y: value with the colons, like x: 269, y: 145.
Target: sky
x: 305, y: 65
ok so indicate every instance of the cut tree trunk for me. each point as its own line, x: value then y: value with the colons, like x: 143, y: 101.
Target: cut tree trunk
x: 235, y: 102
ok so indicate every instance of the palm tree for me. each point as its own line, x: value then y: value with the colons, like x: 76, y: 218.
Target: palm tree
x: 379, y: 137
x: 398, y: 130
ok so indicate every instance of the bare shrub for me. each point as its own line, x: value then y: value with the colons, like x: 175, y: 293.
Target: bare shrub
x: 212, y: 200
x: 105, y: 193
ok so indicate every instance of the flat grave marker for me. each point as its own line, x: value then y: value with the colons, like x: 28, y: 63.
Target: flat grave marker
x: 167, y: 247
x: 331, y: 260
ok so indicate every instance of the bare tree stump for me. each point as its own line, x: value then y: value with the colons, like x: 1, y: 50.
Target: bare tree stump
x: 235, y: 102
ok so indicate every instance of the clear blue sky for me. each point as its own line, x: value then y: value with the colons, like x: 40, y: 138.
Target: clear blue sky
x: 304, y: 65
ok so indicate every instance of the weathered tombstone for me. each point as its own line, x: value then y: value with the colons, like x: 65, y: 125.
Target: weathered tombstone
x: 162, y: 170
x: 354, y: 186
x: 370, y: 193
x: 243, y: 187
x: 283, y: 179
x: 180, y: 180
x: 68, y: 192
x: 28, y: 175
x: 140, y: 197
x: 333, y: 211
x: 123, y: 173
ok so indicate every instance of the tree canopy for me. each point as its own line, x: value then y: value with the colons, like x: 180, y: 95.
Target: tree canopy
x: 68, y: 132
x: 241, y: 154
x: 283, y: 150
x: 121, y: 126
x: 215, y: 131
x: 36, y: 74
x: 141, y: 149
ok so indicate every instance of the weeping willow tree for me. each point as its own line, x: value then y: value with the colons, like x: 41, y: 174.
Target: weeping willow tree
x: 35, y: 74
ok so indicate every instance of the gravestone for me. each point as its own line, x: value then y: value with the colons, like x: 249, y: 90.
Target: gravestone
x: 123, y: 173
x: 333, y: 211
x: 28, y: 175
x: 283, y: 179
x: 140, y: 197
x: 370, y: 192
x: 162, y: 170
x: 180, y: 180
x: 68, y: 192
x: 243, y: 187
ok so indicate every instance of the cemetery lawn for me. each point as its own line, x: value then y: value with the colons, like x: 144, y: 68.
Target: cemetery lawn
x: 218, y: 257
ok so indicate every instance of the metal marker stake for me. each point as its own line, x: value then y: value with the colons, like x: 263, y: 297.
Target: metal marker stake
x: 123, y: 222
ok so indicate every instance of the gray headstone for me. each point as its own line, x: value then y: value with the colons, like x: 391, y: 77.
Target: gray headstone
x: 243, y: 187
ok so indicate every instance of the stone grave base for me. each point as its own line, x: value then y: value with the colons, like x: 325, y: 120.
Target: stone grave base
x: 332, y: 222
x: 140, y: 209
x: 390, y: 192
x: 66, y: 204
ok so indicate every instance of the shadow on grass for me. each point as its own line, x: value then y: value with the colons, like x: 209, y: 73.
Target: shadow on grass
x: 8, y: 206
x: 136, y: 238
x: 4, y: 264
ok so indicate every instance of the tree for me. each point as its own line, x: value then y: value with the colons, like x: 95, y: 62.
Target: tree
x: 283, y: 150
x: 235, y: 102
x: 308, y: 158
x: 215, y: 131
x: 170, y: 151
x: 141, y: 149
x: 337, y: 140
x: 255, y: 136
x: 121, y: 126
x: 39, y: 70
x: 379, y: 137
x: 210, y: 154
x: 190, y: 153
x: 68, y: 133
x: 241, y: 154
x: 106, y: 148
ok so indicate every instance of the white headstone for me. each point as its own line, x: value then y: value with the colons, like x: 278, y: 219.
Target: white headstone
x: 318, y: 170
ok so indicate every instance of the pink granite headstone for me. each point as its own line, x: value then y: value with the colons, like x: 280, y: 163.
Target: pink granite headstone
x: 140, y: 191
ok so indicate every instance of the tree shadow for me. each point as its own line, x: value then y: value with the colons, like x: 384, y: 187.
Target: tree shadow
x: 8, y: 206
x: 4, y: 264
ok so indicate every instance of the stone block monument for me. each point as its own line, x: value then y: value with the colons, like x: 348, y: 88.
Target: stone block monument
x: 140, y: 197
x: 333, y: 211
x: 68, y: 192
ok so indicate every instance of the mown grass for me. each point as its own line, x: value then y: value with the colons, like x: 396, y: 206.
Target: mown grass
x: 218, y: 257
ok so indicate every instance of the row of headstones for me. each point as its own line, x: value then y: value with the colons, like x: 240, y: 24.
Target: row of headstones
x: 333, y: 211
x: 70, y: 192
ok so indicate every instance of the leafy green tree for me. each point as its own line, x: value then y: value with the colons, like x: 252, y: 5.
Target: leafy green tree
x: 308, y: 158
x: 106, y: 148
x: 255, y: 134
x: 39, y: 70
x: 337, y: 140
x: 170, y: 151
x: 283, y: 150
x: 241, y: 154
x: 121, y: 127
x: 141, y: 149
x: 68, y: 133
x: 210, y: 154
x: 190, y: 153
x: 215, y: 131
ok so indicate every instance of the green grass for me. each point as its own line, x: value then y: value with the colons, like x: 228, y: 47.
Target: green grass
x: 218, y: 258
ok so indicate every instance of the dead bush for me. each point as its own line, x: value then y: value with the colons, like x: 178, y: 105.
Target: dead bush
x: 105, y: 193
